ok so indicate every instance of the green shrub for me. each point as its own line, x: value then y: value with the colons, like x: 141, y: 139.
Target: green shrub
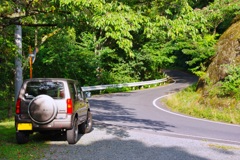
x: 231, y: 84
x: 114, y: 90
x: 190, y: 102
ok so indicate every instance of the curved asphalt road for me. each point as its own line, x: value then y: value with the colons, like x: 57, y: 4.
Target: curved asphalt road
x: 142, y: 110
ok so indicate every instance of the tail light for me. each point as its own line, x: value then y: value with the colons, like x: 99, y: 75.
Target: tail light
x: 69, y: 106
x: 18, y: 106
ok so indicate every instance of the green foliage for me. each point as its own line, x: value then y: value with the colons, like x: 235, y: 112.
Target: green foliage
x: 199, y: 3
x: 70, y: 60
x: 231, y: 83
x: 115, y: 90
x: 192, y: 31
x: 159, y: 56
x: 7, y: 56
x: 116, y: 69
x: 199, y: 51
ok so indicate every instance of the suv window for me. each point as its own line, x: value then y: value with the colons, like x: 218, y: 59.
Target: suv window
x: 72, y: 91
x: 52, y: 89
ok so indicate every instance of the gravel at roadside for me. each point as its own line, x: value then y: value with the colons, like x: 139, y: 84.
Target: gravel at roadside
x: 109, y: 142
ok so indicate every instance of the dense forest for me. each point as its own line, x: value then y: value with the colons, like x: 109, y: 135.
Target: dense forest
x: 106, y: 42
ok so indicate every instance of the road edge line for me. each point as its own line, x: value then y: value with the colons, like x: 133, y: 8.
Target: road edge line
x: 185, y: 116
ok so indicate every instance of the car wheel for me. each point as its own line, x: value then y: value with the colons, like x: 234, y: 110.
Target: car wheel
x: 72, y: 134
x: 86, y: 126
x: 22, y: 137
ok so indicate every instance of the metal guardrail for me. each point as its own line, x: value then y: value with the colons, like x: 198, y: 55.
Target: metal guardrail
x: 134, y: 84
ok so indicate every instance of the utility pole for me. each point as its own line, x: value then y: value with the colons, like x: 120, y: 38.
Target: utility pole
x: 18, y: 59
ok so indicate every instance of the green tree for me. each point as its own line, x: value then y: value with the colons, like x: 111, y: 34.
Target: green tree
x: 190, y: 32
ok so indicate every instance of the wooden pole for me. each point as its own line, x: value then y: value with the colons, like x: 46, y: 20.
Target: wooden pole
x: 30, y: 67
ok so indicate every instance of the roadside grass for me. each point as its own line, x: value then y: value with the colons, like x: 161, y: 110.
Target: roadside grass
x: 223, y: 147
x: 10, y: 150
x: 191, y: 103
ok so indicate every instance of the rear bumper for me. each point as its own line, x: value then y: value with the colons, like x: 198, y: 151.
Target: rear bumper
x: 56, y: 124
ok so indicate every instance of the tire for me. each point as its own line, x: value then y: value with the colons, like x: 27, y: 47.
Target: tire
x: 22, y: 137
x: 86, y: 126
x: 42, y: 109
x: 72, y: 134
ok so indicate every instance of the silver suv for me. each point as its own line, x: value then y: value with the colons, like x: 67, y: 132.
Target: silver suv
x: 52, y: 104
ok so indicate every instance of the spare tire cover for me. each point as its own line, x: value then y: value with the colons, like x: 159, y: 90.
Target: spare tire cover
x: 42, y: 109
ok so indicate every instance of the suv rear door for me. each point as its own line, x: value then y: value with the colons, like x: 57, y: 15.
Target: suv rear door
x: 80, y: 105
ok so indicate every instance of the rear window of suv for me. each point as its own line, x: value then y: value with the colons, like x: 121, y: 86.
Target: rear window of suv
x: 52, y: 89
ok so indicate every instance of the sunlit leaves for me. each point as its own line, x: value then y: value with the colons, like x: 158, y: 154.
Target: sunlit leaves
x: 6, y: 7
x: 118, y: 21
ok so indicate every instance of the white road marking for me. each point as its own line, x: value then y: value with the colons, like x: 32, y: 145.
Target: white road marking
x: 201, y: 138
x: 173, y: 113
x: 191, y: 136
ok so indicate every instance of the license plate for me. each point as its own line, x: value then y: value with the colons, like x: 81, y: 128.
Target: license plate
x: 24, y: 126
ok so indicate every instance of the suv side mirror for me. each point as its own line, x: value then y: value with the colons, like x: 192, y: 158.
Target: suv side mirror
x: 87, y: 94
x: 80, y: 96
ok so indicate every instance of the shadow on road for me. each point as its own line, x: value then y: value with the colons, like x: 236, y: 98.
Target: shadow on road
x: 109, y: 111
x: 108, y: 142
x: 118, y: 149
